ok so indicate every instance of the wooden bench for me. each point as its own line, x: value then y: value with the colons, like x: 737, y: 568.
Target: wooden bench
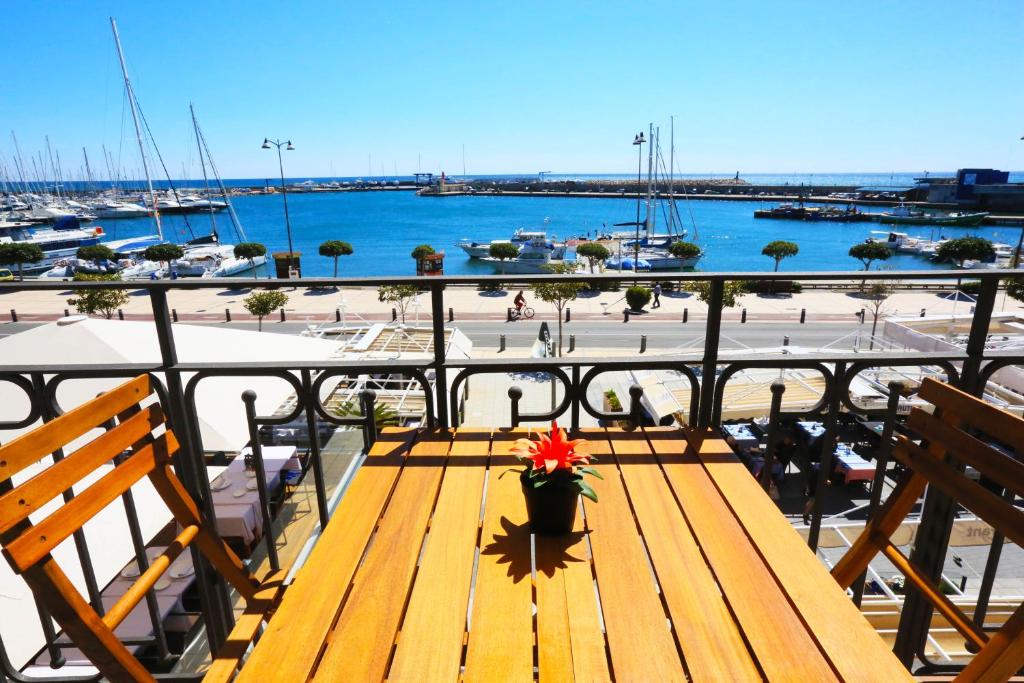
x: 698, y: 575
x: 147, y: 445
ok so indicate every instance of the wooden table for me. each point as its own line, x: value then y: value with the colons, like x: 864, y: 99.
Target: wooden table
x: 696, y: 570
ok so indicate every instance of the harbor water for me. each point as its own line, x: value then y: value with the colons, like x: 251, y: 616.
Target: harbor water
x: 384, y: 226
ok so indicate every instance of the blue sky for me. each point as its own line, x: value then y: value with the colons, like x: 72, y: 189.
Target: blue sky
x: 754, y: 86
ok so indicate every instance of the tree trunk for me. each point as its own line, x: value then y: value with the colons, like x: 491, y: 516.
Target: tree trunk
x: 21, y: 275
x: 874, y: 326
x: 335, y: 266
x: 259, y: 324
x: 777, y: 262
x: 559, y: 332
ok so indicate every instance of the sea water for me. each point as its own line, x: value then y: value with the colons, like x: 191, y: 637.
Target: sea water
x: 384, y: 227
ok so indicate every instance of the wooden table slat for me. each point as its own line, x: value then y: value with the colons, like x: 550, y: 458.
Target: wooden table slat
x: 288, y: 645
x: 360, y: 645
x: 850, y: 643
x: 641, y: 645
x: 570, y: 643
x: 779, y: 639
x: 431, y: 639
x: 501, y: 628
x: 713, y: 647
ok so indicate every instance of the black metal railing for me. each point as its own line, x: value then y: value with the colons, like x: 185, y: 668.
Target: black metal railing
x: 443, y: 380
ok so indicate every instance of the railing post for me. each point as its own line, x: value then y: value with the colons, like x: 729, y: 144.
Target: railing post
x: 881, y: 465
x: 929, y: 551
x: 314, y: 448
x: 515, y: 394
x: 368, y: 397
x: 778, y: 388
x: 577, y: 393
x: 635, y: 393
x: 440, y: 372
x: 213, y: 595
x: 249, y: 399
x: 828, y: 450
x: 712, y: 334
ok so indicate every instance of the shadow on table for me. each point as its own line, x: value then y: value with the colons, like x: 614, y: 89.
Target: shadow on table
x: 553, y: 552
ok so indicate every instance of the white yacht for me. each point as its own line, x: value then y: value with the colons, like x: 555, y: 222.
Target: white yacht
x: 535, y: 254
x: 479, y: 250
x: 116, y: 209
x: 59, y: 243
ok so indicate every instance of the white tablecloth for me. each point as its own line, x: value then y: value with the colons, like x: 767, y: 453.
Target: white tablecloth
x: 853, y: 467
x: 741, y: 432
x: 239, y: 516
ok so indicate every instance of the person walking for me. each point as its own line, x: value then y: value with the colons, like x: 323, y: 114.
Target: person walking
x: 657, y: 295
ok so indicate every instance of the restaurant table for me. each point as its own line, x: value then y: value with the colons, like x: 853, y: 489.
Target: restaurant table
x: 852, y: 465
x: 237, y: 505
x: 138, y: 623
x: 696, y: 572
x: 745, y: 438
x: 811, y: 430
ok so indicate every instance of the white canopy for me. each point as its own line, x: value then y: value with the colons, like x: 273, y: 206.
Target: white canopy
x: 81, y: 341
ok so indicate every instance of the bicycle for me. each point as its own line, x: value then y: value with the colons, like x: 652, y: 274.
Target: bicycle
x: 527, y: 313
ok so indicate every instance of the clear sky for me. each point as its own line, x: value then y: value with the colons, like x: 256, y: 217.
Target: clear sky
x: 526, y: 86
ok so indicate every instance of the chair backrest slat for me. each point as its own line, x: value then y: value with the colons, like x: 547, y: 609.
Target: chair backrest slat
x: 17, y: 505
x: 35, y: 543
x: 969, y: 450
x: 987, y: 418
x: 26, y: 449
x: 982, y: 502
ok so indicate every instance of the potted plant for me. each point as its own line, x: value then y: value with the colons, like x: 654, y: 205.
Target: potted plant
x: 552, y: 480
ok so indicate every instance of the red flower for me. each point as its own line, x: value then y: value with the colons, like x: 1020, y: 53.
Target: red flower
x: 550, y: 453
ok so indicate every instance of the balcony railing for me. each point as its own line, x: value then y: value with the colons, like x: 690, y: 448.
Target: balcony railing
x: 443, y: 378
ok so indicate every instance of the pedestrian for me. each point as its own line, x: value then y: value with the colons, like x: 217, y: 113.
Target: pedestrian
x: 657, y: 295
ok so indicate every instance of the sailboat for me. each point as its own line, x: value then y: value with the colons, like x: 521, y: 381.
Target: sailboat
x: 646, y: 249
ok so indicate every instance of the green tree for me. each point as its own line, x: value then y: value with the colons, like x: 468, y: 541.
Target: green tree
x: 95, y: 252
x: 878, y: 292
x: 963, y: 248
x: 684, y: 250
x: 637, y: 297
x: 250, y: 251
x: 503, y: 251
x: 780, y: 249
x: 731, y: 292
x: 101, y: 300
x: 335, y: 248
x: 1015, y: 288
x: 559, y: 292
x: 383, y: 414
x: 869, y: 252
x: 595, y: 253
x: 163, y: 253
x: 20, y: 253
x: 263, y: 303
x: 399, y: 295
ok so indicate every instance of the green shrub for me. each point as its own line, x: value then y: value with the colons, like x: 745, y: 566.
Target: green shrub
x: 637, y: 297
x: 613, y: 401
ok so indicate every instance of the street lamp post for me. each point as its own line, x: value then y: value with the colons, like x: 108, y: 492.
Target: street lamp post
x: 287, y: 144
x: 638, y: 142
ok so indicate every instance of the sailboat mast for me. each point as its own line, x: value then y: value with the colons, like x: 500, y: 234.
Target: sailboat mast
x: 138, y: 131
x: 220, y: 183
x: 671, y: 174
x: 88, y: 171
x: 649, y: 220
x: 202, y: 163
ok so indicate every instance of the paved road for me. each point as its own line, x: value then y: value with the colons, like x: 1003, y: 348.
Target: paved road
x: 606, y: 334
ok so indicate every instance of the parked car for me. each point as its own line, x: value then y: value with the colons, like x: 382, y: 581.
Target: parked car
x: 6, y: 275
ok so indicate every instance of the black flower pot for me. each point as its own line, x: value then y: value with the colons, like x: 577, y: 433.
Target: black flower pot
x: 551, y: 507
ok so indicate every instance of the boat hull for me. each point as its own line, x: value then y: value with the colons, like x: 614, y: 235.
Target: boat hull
x: 968, y: 220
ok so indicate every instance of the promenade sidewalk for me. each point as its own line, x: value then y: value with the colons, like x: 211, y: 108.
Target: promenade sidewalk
x: 468, y: 304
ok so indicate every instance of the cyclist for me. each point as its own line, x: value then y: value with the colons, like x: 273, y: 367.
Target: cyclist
x: 520, y: 302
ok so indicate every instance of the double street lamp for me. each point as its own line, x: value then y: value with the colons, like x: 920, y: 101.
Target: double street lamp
x: 287, y: 144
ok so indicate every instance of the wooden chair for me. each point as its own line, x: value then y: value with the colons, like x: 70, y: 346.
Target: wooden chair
x: 149, y: 444
x: 954, y: 435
